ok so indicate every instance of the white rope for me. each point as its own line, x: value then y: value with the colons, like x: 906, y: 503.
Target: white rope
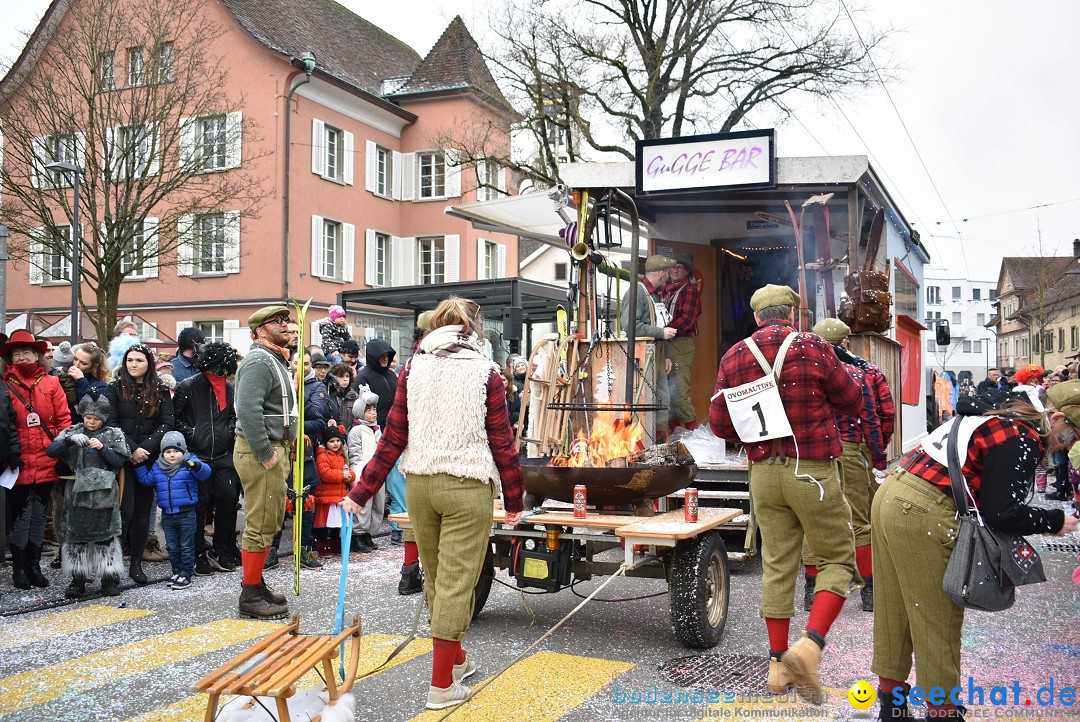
x: 575, y: 610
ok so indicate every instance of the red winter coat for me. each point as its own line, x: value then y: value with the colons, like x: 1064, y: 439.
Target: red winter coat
x: 331, y: 466
x: 45, y: 394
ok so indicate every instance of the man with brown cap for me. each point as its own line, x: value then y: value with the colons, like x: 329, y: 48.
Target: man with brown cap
x: 652, y: 320
x: 266, y: 429
x: 786, y: 388
x: 682, y: 295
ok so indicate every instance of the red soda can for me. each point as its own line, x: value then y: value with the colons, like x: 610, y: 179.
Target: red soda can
x: 690, y: 505
x: 580, y: 498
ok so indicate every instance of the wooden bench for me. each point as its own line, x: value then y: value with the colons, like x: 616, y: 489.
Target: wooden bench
x: 273, y: 666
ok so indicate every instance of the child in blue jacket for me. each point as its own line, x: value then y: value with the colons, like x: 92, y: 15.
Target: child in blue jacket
x: 176, y: 475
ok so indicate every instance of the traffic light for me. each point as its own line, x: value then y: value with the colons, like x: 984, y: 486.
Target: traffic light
x: 941, y: 329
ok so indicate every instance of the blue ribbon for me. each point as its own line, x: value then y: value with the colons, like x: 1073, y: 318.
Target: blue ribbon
x: 339, y: 620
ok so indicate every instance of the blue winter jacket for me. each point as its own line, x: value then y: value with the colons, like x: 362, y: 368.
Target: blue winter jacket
x: 178, y: 493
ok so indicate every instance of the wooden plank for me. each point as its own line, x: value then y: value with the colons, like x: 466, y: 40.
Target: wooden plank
x: 226, y: 670
x: 671, y: 525
x: 592, y: 521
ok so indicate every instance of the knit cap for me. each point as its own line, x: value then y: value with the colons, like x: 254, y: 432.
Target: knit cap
x: 366, y: 398
x: 173, y: 440
x: 93, y: 404
x: 63, y: 356
x: 332, y: 432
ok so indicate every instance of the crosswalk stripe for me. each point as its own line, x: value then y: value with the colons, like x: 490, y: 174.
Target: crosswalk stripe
x: 36, y: 686
x: 373, y: 650
x: 64, y: 623
x: 544, y: 686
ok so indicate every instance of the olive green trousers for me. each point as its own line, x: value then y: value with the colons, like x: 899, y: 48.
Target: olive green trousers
x: 451, y: 516
x: 786, y: 508
x: 681, y: 352
x: 264, y: 494
x: 914, y: 530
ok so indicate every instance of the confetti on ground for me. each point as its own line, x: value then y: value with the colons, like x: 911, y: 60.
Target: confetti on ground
x: 64, y: 623
x: 544, y: 686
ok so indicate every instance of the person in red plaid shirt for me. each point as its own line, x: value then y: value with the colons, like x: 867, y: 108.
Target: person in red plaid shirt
x: 915, y: 528
x: 858, y: 432
x: 682, y: 295
x: 450, y: 426
x: 795, y: 483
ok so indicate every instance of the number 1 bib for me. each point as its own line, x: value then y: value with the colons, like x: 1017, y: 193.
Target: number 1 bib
x: 756, y: 409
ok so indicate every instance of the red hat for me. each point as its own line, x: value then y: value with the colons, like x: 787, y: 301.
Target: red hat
x: 1029, y: 375
x: 23, y: 338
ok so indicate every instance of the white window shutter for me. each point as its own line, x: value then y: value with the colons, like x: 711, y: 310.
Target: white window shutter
x: 150, y: 249
x: 185, y: 245
x: 370, y: 260
x: 232, y: 241
x: 395, y: 338
x: 153, y: 137
x: 481, y: 246
x: 500, y: 179
x: 189, y: 143
x: 316, y: 246
x: 453, y: 257
x: 348, y: 252
x: 501, y: 261
x: 38, y: 174
x: 234, y: 137
x: 318, y: 147
x: 80, y: 149
x: 37, y: 256
x: 397, y: 169
x: 452, y: 158
x: 181, y: 325
x: 404, y: 261
x: 369, y: 333
x: 370, y: 166
x: 408, y: 176
x: 314, y: 335
x: 350, y: 143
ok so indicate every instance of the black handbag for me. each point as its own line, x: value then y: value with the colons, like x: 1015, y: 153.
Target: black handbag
x: 986, y: 564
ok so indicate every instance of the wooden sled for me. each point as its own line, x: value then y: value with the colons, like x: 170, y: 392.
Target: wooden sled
x: 273, y: 666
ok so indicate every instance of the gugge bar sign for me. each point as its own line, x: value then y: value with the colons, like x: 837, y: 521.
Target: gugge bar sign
x: 720, y: 161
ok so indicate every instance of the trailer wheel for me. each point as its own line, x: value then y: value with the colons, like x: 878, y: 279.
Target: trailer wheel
x: 483, y: 585
x: 700, y: 590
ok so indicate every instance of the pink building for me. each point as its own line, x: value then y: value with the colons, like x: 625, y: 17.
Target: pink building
x: 370, y: 169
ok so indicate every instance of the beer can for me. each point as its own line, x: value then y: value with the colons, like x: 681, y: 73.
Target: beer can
x: 580, y: 499
x: 690, y: 505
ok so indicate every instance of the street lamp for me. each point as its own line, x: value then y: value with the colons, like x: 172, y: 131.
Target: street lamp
x: 77, y: 174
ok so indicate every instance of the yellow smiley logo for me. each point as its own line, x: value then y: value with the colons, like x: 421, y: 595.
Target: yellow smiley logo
x: 862, y: 695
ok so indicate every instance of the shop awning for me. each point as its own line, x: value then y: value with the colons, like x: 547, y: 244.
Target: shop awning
x: 538, y: 300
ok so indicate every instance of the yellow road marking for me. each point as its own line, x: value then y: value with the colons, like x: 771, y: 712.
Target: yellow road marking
x: 36, y: 686
x: 373, y: 650
x: 544, y: 686
x: 64, y: 623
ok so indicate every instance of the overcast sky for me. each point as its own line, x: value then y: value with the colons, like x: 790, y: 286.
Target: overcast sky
x: 986, y: 89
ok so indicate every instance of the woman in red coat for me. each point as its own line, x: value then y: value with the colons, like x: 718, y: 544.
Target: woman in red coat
x: 41, y: 412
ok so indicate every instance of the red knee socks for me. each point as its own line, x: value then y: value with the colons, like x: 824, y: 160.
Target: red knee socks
x: 778, y: 633
x: 444, y: 654
x: 824, y: 611
x: 811, y: 570
x: 864, y: 561
x: 460, y: 659
x: 253, y: 565
x: 412, y: 554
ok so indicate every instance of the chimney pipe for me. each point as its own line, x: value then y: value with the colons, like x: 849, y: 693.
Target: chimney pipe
x: 1076, y: 248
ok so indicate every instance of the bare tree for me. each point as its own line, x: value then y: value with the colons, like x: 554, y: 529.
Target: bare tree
x: 593, y: 77
x: 134, y: 92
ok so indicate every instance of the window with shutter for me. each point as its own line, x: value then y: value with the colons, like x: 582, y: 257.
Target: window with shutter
x: 432, y: 259
x: 377, y: 258
x: 432, y: 175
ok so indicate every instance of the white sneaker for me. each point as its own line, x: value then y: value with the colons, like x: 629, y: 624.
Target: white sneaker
x: 442, y: 697
x: 464, y: 670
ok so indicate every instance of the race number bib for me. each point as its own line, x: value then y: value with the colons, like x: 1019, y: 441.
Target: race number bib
x: 663, y: 315
x: 756, y: 410
x: 936, y: 443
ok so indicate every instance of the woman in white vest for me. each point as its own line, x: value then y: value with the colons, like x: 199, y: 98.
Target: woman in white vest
x: 450, y: 426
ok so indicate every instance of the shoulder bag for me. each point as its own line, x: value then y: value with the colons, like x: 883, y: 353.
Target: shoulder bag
x: 986, y: 564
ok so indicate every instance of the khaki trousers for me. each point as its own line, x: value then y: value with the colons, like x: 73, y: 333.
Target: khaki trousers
x: 874, y: 485
x: 855, y: 466
x: 451, y: 516
x: 786, y: 508
x: 681, y: 352
x: 264, y: 494
x: 914, y: 531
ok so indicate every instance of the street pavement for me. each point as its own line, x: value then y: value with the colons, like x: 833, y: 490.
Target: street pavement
x: 134, y: 657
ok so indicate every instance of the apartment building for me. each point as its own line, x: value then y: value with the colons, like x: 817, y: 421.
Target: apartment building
x: 354, y: 199
x: 967, y: 305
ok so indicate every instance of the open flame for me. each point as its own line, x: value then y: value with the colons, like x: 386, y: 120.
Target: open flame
x: 613, y: 437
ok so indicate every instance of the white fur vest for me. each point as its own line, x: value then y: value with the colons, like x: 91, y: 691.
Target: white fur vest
x: 447, y: 402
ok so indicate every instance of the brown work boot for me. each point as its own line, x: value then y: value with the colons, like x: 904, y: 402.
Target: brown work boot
x: 780, y: 679
x: 255, y: 606
x: 269, y: 594
x: 802, y: 661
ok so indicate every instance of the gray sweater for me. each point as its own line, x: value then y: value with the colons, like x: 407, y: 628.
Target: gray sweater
x: 644, y: 315
x: 260, y: 411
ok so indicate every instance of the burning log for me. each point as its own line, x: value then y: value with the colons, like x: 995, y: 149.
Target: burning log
x: 671, y: 454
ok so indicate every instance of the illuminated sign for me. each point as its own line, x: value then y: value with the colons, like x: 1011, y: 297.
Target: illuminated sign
x: 720, y: 161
